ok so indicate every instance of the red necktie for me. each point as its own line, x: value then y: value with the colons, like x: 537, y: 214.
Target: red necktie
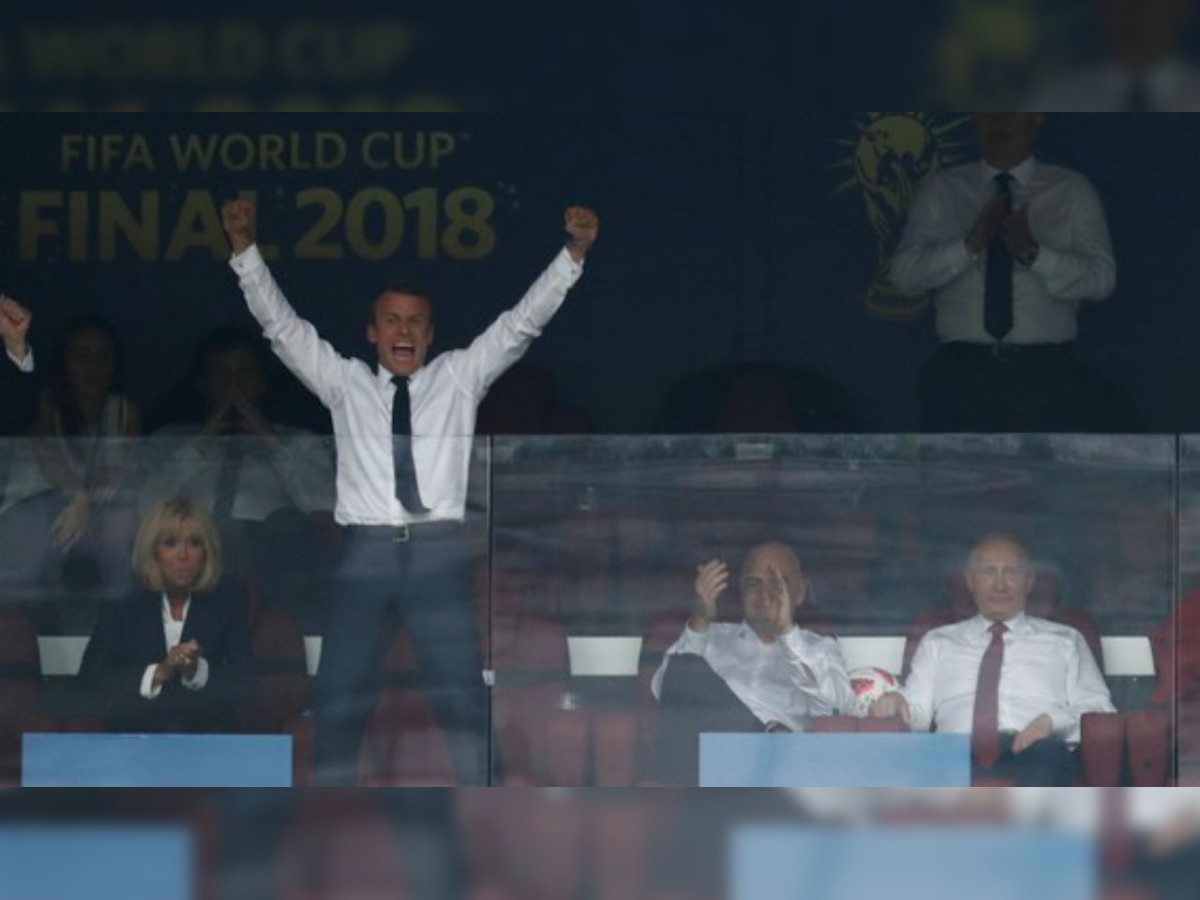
x: 985, y: 731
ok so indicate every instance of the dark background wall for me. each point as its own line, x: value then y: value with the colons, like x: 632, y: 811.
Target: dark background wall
x: 725, y: 239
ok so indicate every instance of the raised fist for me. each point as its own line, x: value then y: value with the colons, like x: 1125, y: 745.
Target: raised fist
x: 238, y: 219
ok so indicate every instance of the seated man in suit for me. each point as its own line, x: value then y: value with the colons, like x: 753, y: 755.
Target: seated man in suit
x: 1017, y: 684
x: 176, y: 657
x: 762, y: 674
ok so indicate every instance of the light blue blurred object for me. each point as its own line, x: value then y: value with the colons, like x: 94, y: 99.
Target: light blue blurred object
x: 54, y: 862
x: 835, y: 760
x: 912, y: 863
x: 156, y: 761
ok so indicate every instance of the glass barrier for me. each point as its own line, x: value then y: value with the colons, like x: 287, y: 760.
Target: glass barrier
x: 573, y: 584
x: 640, y: 585
x: 1082, y: 844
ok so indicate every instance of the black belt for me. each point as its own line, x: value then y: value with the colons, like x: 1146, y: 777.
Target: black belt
x: 403, y: 534
x: 1005, y: 352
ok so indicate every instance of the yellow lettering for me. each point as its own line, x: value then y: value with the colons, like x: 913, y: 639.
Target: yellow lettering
x: 71, y: 149
x: 368, y: 150
x: 194, y: 151
x: 139, y: 155
x: 330, y: 150
x: 199, y: 227
x: 77, y: 226
x: 442, y: 144
x: 272, y: 147
x: 33, y: 226
x: 141, y: 230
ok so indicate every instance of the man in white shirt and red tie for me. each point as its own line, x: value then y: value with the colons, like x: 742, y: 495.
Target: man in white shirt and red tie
x: 1009, y: 248
x: 404, y: 432
x: 1019, y: 685
x: 762, y: 674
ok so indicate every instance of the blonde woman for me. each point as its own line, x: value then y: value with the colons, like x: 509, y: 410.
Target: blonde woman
x: 176, y: 656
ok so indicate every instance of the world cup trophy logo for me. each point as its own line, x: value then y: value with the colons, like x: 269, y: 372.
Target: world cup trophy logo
x: 891, y: 157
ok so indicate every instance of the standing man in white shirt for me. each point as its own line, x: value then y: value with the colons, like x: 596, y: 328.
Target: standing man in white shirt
x: 764, y: 674
x: 1010, y: 248
x: 404, y: 433
x: 18, y: 391
x: 1019, y: 685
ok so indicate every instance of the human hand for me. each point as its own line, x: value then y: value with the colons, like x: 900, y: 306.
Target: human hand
x: 1037, y: 730
x: 256, y: 423
x: 987, y: 225
x: 1018, y: 237
x: 890, y: 705
x: 191, y: 653
x: 14, y: 326
x: 782, y: 603
x: 238, y: 218
x: 71, y: 524
x: 583, y: 226
x: 712, y: 580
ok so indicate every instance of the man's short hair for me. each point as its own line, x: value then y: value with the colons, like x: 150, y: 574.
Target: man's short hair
x: 408, y: 288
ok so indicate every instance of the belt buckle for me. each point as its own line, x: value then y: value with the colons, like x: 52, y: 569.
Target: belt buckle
x: 403, y: 534
x: 1004, y: 352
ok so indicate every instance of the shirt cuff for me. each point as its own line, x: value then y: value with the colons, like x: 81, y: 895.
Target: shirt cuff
x: 150, y: 690
x: 200, y: 681
x: 565, y: 267
x: 249, y: 260
x: 1048, y: 263
x: 26, y: 364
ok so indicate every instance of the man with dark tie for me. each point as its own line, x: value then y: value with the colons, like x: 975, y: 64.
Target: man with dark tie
x: 404, y: 434
x: 1009, y: 248
x: 18, y: 391
x: 1019, y: 685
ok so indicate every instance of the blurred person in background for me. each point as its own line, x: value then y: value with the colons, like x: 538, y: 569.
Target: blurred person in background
x: 1009, y: 247
x: 261, y: 479
x: 1018, y: 684
x: 762, y: 674
x: 176, y: 656
x: 1146, y: 69
x: 69, y: 505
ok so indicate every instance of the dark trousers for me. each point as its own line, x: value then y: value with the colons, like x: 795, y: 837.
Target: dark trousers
x: 1048, y: 763
x: 1024, y: 390
x: 695, y: 700
x: 426, y: 583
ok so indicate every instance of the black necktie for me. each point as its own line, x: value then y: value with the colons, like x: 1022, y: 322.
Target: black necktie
x: 998, y: 290
x: 407, y: 491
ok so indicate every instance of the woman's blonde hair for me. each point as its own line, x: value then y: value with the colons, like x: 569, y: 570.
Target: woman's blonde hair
x: 166, y: 521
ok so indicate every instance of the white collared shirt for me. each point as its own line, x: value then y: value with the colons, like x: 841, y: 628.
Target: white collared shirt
x: 1047, y: 670
x: 445, y: 395
x: 1067, y: 219
x: 800, y: 675
x: 26, y: 364
x: 173, y: 635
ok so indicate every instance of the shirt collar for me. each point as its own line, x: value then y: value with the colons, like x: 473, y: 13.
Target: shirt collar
x: 166, y: 609
x: 1022, y: 174
x: 384, y: 377
x: 1016, y: 625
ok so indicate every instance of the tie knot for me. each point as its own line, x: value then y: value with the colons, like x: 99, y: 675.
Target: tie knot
x: 998, y: 629
x: 400, y: 380
x: 1004, y: 181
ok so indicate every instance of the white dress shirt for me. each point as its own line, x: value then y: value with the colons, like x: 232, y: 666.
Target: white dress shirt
x: 800, y: 675
x: 1173, y: 86
x: 295, y: 470
x: 173, y: 635
x: 26, y: 364
x: 445, y: 395
x: 1067, y: 220
x: 1048, y: 670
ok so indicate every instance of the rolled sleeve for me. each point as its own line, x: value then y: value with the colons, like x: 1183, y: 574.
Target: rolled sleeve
x: 25, y: 364
x: 149, y: 690
x: 200, y: 681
